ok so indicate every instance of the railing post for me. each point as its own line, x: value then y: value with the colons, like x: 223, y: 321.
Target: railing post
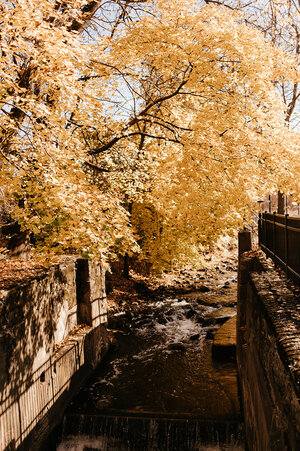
x: 286, y: 244
x: 274, y: 237
x: 265, y: 228
x: 259, y: 229
x: 288, y: 259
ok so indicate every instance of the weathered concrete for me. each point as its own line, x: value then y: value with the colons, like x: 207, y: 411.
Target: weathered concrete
x: 45, y: 356
x: 268, y: 352
x: 224, y: 344
x: 91, y: 296
x: 244, y: 241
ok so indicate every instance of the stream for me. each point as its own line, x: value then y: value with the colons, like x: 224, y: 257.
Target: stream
x: 161, y: 389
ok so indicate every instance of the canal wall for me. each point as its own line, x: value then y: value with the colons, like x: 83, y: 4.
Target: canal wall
x: 52, y: 337
x: 268, y: 355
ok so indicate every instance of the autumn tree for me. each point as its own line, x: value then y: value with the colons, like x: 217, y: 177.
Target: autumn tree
x: 169, y: 107
x: 48, y: 99
x: 278, y: 20
x: 205, y: 111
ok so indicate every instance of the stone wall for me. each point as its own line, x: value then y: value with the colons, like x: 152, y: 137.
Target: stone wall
x: 268, y: 356
x: 51, y: 338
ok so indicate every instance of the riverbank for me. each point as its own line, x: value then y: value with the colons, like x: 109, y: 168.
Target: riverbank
x: 220, y: 272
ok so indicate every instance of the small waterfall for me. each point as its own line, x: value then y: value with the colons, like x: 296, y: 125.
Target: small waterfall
x: 105, y: 433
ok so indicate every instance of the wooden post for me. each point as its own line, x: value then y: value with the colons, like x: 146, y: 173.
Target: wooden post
x: 280, y: 205
x: 259, y: 229
x: 265, y: 229
x: 274, y: 236
x: 286, y: 245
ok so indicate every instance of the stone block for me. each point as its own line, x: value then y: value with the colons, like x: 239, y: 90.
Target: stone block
x: 224, y: 344
x: 91, y: 296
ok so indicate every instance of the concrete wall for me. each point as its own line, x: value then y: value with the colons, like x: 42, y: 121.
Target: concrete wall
x: 268, y: 356
x: 45, y: 355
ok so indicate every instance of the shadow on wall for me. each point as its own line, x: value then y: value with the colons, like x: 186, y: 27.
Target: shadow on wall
x: 32, y: 317
x: 35, y: 317
x: 22, y: 409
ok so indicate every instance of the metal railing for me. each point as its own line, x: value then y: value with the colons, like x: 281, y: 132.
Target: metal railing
x: 279, y: 238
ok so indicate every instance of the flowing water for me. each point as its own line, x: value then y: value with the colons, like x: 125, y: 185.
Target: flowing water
x: 161, y: 390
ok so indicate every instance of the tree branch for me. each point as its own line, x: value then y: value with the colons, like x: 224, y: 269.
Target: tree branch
x: 137, y: 119
x: 94, y: 166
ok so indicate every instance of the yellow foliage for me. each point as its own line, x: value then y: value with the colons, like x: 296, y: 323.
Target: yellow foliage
x: 176, y: 111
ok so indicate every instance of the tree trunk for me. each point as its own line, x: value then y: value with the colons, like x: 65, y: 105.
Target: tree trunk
x: 126, y: 256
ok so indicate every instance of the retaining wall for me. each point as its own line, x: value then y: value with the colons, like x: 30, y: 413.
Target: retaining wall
x: 268, y: 356
x: 45, y: 354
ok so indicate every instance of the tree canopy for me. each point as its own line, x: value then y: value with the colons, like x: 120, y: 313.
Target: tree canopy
x: 139, y: 127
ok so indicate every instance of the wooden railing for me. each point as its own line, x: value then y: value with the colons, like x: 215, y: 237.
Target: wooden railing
x: 279, y: 238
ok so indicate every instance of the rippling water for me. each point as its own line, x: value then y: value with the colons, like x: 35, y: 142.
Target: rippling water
x: 161, y: 390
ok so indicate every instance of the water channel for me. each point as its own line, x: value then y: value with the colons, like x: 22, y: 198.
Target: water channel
x: 161, y: 389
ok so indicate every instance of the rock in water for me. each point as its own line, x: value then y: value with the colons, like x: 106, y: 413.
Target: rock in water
x: 190, y: 313
x: 224, y: 345
x: 203, y: 289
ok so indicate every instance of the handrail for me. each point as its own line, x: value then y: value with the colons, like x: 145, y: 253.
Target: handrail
x: 279, y: 238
